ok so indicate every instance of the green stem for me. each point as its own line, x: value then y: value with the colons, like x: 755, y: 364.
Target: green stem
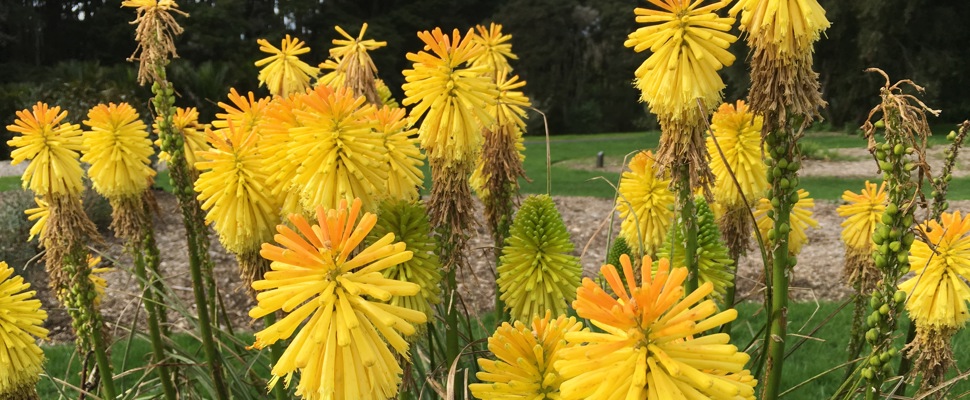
x: 783, y: 197
x: 147, y: 253
x: 86, y: 317
x: 452, y: 348
x: 197, y: 240
x: 688, y: 217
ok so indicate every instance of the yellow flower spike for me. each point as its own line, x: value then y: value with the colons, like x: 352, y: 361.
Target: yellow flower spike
x: 650, y: 346
x: 790, y: 27
x: 862, y: 212
x: 498, y: 50
x: 119, y: 151
x: 186, y: 121
x: 245, y: 112
x: 453, y: 99
x: 738, y: 133
x: 335, y: 78
x: 318, y: 280
x: 233, y: 190
x: 51, y: 147
x: 404, y: 157
x: 689, y: 44
x: 21, y: 324
x: 39, y: 214
x: 524, y: 359
x: 283, y: 72
x: 274, y: 141
x: 645, y: 204
x: 341, y: 155
x: 938, y: 294
x: 800, y: 220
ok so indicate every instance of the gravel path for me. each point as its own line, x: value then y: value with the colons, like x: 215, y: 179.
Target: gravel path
x: 11, y: 170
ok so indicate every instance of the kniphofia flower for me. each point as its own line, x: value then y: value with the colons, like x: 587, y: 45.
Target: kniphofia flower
x: 939, y: 292
x: 354, y: 64
x: 738, y: 134
x: 800, y: 220
x: 340, y: 299
x: 21, y: 324
x: 537, y: 272
x: 283, y: 72
x: 862, y: 212
x: 408, y: 221
x: 118, y: 149
x: 233, y: 189
x: 652, y: 345
x: 245, y: 112
x: 714, y: 265
x: 790, y: 27
x: 689, y: 44
x: 498, y: 50
x: 51, y: 147
x: 524, y: 358
x: 404, y: 158
x: 452, y: 98
x: 341, y: 155
x: 645, y: 205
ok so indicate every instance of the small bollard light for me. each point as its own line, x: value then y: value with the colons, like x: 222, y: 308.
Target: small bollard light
x: 599, y: 160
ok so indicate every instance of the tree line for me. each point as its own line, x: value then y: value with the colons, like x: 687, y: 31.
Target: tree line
x: 72, y: 52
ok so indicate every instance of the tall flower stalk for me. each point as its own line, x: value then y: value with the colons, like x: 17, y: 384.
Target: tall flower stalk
x: 679, y: 82
x: 156, y: 27
x: 785, y: 91
x: 452, y: 98
x: 899, y: 155
x: 53, y: 147
x: 118, y: 149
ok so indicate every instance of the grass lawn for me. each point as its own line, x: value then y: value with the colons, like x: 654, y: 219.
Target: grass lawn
x: 824, y: 350
x: 9, y: 183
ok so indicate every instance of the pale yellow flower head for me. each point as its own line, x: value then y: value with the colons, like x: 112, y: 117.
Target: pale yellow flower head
x: 245, y: 112
x: 404, y: 158
x: 789, y: 27
x: 862, y: 212
x: 689, y: 44
x: 119, y: 151
x: 524, y: 358
x: 498, y: 49
x: 21, y: 324
x: 233, y: 189
x: 452, y: 98
x: 645, y: 204
x: 51, y: 147
x: 653, y: 344
x: 341, y: 155
x: 799, y: 221
x: 343, y: 350
x: 283, y: 72
x: 738, y: 133
x: 938, y: 293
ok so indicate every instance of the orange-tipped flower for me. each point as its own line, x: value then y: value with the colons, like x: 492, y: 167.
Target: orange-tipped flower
x: 338, y: 295
x: 51, y: 147
x: 452, y: 98
x: 524, y: 359
x: 651, y: 346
